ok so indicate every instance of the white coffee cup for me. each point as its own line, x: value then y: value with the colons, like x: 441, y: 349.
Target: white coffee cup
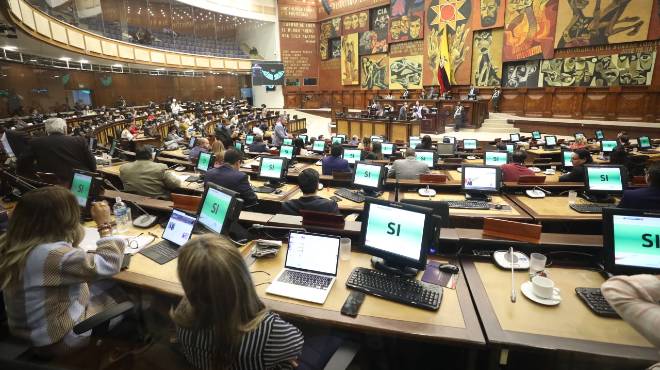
x: 544, y: 287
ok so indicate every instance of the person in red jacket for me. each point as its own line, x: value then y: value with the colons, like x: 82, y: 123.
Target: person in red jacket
x: 511, y: 172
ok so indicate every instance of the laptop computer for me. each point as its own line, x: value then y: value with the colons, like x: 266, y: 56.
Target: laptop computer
x: 310, y: 269
x: 176, y: 233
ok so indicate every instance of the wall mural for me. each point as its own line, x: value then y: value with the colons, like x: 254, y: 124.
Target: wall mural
x: 521, y: 74
x: 356, y: 22
x: 448, y: 23
x: 529, y: 29
x: 350, y: 74
x: 406, y: 20
x: 600, y: 22
x: 623, y: 69
x: 491, y: 14
x: 380, y: 20
x: 406, y: 72
x: 487, y: 58
x: 374, y: 74
x: 334, y: 47
x: 329, y: 30
x: 370, y: 43
x: 654, y: 24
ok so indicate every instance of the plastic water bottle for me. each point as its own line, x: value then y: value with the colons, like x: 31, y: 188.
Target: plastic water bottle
x: 122, y: 215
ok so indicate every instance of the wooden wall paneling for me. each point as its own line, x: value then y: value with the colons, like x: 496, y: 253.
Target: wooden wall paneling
x: 631, y: 106
x: 534, y: 102
x: 594, y: 104
x: 579, y: 93
x: 512, y: 101
x: 368, y: 130
x: 415, y: 130
x: 563, y: 103
x: 359, y: 101
x: 326, y: 99
x: 380, y: 129
x: 292, y: 100
x: 355, y: 130
x: 347, y: 99
x: 398, y: 131
x: 611, y: 102
x: 337, y: 100
x: 342, y: 127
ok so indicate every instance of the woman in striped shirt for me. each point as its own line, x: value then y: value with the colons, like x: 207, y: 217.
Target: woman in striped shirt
x: 221, y: 322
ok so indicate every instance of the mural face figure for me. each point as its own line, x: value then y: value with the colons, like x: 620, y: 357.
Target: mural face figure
x: 395, y: 29
x: 355, y: 21
x: 405, y: 24
x: 362, y: 20
x: 415, y: 27
x: 325, y: 31
x: 336, y: 23
x: 645, y: 61
x: 381, y: 21
x: 348, y: 25
x: 488, y: 12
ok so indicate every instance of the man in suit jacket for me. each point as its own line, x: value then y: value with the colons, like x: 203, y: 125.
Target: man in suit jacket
x: 146, y: 177
x: 258, y: 146
x: 403, y: 112
x: 57, y: 153
x: 334, y: 162
x: 279, y: 133
x: 459, y: 116
x: 408, y: 168
x: 308, y: 180
x: 229, y: 176
x: 644, y: 198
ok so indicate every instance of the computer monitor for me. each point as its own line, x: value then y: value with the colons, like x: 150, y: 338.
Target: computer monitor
x: 219, y: 208
x: 352, y: 155
x: 400, y: 234
x: 446, y: 149
x: 337, y: 140
x: 478, y: 181
x: 273, y: 169
x: 599, y: 134
x: 191, y: 143
x: 369, y: 176
x: 287, y: 151
x: 514, y: 138
x: 644, y: 143
x: 579, y: 135
x: 607, y: 146
x: 536, y: 135
x: 81, y: 187
x: 440, y: 219
x: 319, y: 146
x: 92, y: 143
x: 113, y: 148
x: 342, y: 136
x: 179, y: 228
x: 377, y: 139
x: 510, y: 148
x: 601, y: 181
x: 469, y: 144
x: 449, y: 139
x: 287, y: 141
x: 304, y: 138
x: 205, y: 161
x: 429, y: 157
x: 567, y: 158
x: 496, y: 158
x: 238, y: 146
x: 631, y: 241
x: 387, y: 149
x: 249, y: 139
x: 413, y: 141
x: 550, y: 141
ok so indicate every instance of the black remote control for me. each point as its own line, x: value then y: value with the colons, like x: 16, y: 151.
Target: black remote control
x: 352, y: 304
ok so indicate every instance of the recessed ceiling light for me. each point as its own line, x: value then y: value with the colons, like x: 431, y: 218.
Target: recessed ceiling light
x: 84, y: 61
x: 10, y: 47
x: 33, y: 60
x: 66, y: 59
x: 117, y: 65
x: 160, y: 69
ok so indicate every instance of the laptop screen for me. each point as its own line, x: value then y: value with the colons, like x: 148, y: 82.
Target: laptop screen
x: 316, y: 253
x: 179, y: 228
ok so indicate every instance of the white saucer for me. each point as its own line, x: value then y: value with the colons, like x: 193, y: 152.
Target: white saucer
x: 535, y: 169
x: 459, y: 169
x: 549, y: 172
x: 471, y: 157
x: 527, y: 290
x: 426, y: 192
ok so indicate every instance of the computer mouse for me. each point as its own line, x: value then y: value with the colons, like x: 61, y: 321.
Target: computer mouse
x: 180, y: 168
x: 449, y: 268
x: 320, y: 187
x: 498, y: 206
x: 278, y: 191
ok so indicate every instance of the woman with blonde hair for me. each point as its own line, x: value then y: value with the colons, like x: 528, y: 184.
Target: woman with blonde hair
x: 49, y: 283
x: 221, y: 323
x: 579, y: 143
x: 218, y: 150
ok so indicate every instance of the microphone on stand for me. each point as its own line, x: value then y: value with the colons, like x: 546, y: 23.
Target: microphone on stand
x: 144, y: 221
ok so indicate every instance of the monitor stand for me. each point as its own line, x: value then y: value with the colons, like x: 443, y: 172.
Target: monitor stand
x: 275, y: 184
x: 372, y: 193
x: 478, y: 197
x: 391, y: 268
x: 598, y: 198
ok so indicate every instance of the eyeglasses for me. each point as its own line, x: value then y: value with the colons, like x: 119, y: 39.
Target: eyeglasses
x: 133, y: 242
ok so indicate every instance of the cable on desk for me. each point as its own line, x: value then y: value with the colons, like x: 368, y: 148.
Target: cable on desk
x: 254, y: 272
x: 256, y: 285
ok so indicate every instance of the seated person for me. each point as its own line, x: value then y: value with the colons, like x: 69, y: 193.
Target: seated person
x: 126, y: 133
x: 49, y: 283
x: 376, y: 152
x: 201, y: 145
x: 228, y: 175
x: 644, y: 198
x: 174, y: 136
x: 146, y: 177
x: 355, y: 140
x: 133, y: 128
x: 579, y: 159
x: 56, y: 153
x: 511, y: 172
x: 619, y: 155
x: 408, y: 168
x: 365, y: 144
x: 426, y: 143
x: 216, y: 333
x: 579, y: 143
x: 218, y: 151
x: 334, y: 162
x: 258, y: 145
x: 308, y: 180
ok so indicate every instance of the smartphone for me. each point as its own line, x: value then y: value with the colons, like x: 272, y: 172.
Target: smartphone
x: 352, y: 304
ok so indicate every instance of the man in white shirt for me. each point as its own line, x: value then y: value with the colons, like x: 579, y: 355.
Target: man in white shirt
x: 176, y: 107
x: 408, y: 168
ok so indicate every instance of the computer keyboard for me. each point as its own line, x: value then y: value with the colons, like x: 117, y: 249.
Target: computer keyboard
x: 468, y: 204
x: 263, y: 189
x: 353, y: 196
x: 589, y: 207
x: 161, y: 252
x: 399, y: 289
x: 594, y: 299
x: 305, y: 279
x: 193, y: 178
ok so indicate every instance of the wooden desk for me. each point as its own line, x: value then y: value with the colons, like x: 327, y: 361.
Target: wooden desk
x: 344, y: 204
x: 569, y: 327
x: 455, y: 322
x: 176, y: 154
x: 364, y: 127
x: 553, y: 208
x: 548, y: 240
